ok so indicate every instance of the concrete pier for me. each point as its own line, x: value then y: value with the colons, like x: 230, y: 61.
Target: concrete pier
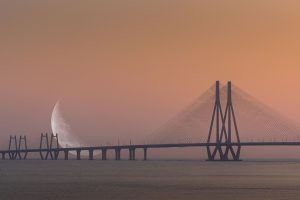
x: 66, y: 153
x: 131, y: 153
x: 118, y: 154
x: 78, y: 151
x: 91, y: 154
x: 3, y: 155
x: 145, y: 153
x: 56, y: 154
x: 104, y: 154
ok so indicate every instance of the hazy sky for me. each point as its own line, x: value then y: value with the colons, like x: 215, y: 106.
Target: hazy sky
x: 123, y: 67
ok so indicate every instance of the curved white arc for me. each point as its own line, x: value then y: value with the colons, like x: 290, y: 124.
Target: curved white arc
x: 63, y: 130
x: 60, y: 127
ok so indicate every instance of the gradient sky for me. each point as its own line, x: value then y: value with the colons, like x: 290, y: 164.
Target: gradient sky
x: 123, y: 67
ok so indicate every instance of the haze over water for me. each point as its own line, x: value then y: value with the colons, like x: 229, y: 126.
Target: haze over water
x: 160, y: 180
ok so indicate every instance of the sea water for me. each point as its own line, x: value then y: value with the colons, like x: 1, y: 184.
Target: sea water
x: 148, y: 180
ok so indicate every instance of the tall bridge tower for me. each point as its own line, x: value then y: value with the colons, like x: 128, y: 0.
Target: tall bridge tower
x: 225, y: 128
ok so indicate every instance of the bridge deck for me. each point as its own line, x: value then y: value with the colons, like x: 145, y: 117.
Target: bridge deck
x: 142, y: 146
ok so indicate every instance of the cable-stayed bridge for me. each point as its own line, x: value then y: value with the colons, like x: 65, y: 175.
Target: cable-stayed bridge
x: 233, y: 116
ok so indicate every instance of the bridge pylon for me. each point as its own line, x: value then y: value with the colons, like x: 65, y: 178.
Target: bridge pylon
x: 54, y: 146
x: 13, y: 147
x: 22, y: 146
x: 44, y: 145
x: 221, y: 123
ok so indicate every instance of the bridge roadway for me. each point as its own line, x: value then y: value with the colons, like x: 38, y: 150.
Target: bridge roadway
x: 13, y: 154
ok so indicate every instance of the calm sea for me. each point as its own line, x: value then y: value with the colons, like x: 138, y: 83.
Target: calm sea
x: 150, y: 180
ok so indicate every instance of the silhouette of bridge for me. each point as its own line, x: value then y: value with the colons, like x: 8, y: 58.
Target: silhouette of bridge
x: 223, y: 141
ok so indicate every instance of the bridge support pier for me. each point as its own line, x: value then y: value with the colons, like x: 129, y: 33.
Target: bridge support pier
x: 78, y: 151
x: 3, y: 155
x: 54, y: 154
x: 104, y: 154
x: 132, y: 154
x: 66, y: 152
x: 91, y: 154
x: 24, y: 156
x: 232, y: 154
x: 118, y: 153
x: 145, y: 153
x: 22, y: 146
x: 13, y: 155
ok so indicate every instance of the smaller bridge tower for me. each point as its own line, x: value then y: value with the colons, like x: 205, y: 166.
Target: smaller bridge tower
x: 44, y: 145
x: 54, y: 146
x: 22, y: 146
x: 13, y: 147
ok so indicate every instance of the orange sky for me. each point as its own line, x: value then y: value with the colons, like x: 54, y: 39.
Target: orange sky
x: 122, y: 68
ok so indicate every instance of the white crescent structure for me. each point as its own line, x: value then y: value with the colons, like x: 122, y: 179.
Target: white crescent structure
x: 60, y: 127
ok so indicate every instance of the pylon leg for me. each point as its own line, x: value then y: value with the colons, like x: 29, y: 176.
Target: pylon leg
x: 209, y: 155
